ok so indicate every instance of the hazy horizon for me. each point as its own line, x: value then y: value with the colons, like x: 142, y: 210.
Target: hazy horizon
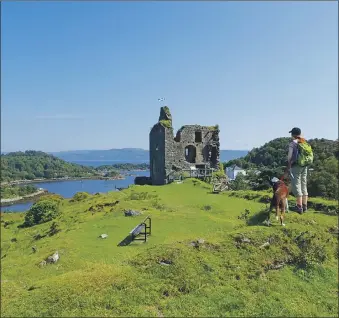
x: 125, y: 148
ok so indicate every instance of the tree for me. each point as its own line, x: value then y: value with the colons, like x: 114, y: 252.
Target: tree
x: 324, y: 180
x: 41, y: 212
x: 240, y: 183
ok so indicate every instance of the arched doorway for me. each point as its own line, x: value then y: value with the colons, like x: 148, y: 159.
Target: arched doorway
x: 190, y: 153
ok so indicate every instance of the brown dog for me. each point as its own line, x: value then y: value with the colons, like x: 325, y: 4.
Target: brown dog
x: 279, y: 200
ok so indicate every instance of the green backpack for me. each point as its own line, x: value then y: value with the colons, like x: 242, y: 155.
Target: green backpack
x: 305, y: 154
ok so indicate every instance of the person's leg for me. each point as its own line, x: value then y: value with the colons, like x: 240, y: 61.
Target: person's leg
x: 296, y: 187
x: 304, y: 188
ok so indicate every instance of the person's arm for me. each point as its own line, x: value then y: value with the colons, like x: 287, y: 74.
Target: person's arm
x: 290, y: 155
x: 289, y: 160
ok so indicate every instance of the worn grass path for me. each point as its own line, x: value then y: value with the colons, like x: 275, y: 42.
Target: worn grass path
x: 225, y: 276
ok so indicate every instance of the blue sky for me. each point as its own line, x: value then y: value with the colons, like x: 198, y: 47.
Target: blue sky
x: 88, y: 75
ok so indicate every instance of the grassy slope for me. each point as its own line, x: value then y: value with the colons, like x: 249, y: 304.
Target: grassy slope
x: 94, y: 277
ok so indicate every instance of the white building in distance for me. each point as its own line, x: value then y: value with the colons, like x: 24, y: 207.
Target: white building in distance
x: 233, y: 171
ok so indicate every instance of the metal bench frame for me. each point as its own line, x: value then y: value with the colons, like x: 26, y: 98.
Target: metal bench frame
x: 136, y: 232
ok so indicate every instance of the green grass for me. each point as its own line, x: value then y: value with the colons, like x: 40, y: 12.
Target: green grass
x: 330, y: 207
x: 222, y: 277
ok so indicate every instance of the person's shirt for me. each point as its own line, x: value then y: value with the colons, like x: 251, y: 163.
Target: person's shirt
x: 292, y: 151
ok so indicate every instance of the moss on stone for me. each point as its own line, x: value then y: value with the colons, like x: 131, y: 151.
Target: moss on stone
x: 166, y: 123
x: 167, y: 111
x: 216, y: 127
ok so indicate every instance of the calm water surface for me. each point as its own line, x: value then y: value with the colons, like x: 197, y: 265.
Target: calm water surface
x: 68, y: 188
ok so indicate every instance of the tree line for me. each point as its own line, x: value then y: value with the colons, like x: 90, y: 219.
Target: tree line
x: 17, y: 191
x: 31, y: 165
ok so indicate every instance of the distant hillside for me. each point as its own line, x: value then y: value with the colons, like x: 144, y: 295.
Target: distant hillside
x: 32, y: 165
x: 274, y: 153
x: 129, y: 155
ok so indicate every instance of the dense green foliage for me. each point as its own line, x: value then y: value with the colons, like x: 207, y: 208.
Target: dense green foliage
x: 79, y: 196
x: 52, y: 197
x: 8, y: 192
x: 240, y: 183
x: 239, y: 268
x: 324, y: 180
x: 41, y: 212
x: 271, y: 160
x: 219, y: 174
x: 32, y: 165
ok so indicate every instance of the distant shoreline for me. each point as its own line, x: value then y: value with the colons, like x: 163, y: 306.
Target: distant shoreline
x: 25, y: 198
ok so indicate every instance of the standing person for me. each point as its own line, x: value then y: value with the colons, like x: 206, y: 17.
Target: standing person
x: 300, y: 156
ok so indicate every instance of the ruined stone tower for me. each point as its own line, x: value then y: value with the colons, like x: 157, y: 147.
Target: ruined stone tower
x: 193, y: 145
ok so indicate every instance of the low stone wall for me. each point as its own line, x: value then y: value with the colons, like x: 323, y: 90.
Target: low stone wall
x: 143, y: 181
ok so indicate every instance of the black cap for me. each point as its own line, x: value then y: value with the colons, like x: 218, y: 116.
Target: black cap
x: 295, y: 131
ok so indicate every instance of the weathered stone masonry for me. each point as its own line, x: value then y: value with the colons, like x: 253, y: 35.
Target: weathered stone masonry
x: 193, y: 145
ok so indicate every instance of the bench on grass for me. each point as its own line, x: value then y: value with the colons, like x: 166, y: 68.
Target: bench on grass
x: 139, y: 233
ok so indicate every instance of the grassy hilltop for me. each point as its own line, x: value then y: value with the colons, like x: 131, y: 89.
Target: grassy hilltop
x: 229, y: 274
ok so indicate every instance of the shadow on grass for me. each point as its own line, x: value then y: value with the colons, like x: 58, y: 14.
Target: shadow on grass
x: 126, y: 241
x: 324, y: 212
x: 258, y: 218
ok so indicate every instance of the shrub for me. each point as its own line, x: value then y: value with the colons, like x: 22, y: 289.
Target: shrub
x: 54, y: 229
x: 141, y: 196
x: 219, y: 174
x: 41, y: 212
x: 79, y: 196
x: 52, y: 197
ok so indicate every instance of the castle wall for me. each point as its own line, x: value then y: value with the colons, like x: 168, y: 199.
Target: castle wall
x: 157, y: 154
x: 193, y: 145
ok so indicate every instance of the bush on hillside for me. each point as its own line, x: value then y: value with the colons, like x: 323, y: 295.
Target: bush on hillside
x: 220, y: 173
x: 79, y: 196
x: 324, y: 180
x: 240, y: 183
x: 52, y: 197
x: 41, y: 212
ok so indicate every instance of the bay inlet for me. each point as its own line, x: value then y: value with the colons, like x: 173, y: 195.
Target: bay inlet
x: 68, y: 188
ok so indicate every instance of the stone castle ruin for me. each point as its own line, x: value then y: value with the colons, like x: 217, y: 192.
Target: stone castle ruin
x: 193, y: 147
